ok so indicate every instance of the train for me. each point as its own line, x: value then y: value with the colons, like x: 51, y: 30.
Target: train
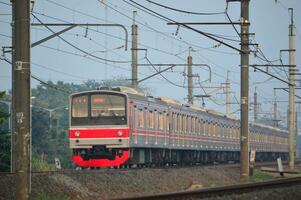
x: 120, y: 126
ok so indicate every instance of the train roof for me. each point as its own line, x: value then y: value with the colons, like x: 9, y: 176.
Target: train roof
x: 136, y: 94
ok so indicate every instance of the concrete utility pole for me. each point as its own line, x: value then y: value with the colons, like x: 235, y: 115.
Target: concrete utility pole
x: 291, y: 113
x: 21, y: 85
x: 244, y: 91
x: 276, y: 120
x: 190, y: 76
x: 13, y: 113
x: 228, y: 109
x: 255, y: 106
x: 134, y: 53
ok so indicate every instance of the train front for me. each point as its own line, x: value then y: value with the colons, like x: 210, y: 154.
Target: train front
x: 99, y: 131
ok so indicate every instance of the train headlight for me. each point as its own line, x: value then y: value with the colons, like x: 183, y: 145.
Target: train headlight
x: 119, y: 133
x: 77, y: 133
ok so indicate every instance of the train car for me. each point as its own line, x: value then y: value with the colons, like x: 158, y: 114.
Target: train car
x: 120, y: 126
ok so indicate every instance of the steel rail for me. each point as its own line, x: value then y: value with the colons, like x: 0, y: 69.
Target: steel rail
x: 221, y: 191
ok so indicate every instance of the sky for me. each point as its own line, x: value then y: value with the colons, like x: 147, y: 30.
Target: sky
x: 56, y: 60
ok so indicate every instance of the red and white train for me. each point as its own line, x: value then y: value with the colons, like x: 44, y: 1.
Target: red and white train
x: 120, y: 126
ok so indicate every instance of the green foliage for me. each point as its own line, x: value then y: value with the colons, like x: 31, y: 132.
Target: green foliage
x: 259, y: 175
x: 4, y: 139
x: 39, y: 163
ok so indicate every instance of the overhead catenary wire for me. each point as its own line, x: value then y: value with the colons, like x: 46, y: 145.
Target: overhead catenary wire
x: 184, y: 11
x: 113, y: 36
x: 77, y: 48
x: 41, y: 81
x: 188, y: 27
x: 202, y: 33
x: 159, y: 50
x: 50, y: 85
x: 181, y: 86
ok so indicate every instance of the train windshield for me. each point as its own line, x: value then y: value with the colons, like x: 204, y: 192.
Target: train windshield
x: 98, y: 109
x: 105, y: 105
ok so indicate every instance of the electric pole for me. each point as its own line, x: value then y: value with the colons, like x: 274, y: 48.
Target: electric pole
x: 228, y: 110
x: 291, y: 125
x: 13, y: 113
x: 190, y: 76
x: 244, y: 91
x: 275, y: 110
x: 255, y: 106
x: 21, y: 85
x: 134, y: 53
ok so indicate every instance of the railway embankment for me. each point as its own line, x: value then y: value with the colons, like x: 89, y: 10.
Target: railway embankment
x: 112, y: 183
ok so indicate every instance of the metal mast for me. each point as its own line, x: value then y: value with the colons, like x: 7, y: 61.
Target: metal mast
x: 190, y: 76
x: 291, y: 113
x: 255, y: 106
x: 228, y: 109
x: 134, y: 53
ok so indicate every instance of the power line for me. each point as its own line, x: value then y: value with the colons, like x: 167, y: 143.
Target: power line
x: 5, y: 3
x: 38, y: 79
x: 5, y: 35
x: 77, y: 11
x: 232, y: 24
x: 113, y: 36
x: 184, y: 11
x: 50, y: 85
x: 188, y: 27
x: 57, y: 71
x: 163, y: 76
x: 161, y: 18
x: 77, y: 48
x: 202, y: 33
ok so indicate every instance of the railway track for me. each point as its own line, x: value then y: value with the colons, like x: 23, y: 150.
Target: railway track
x: 113, y: 170
x: 222, y: 191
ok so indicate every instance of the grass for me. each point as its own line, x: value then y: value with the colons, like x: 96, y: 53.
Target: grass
x: 260, y: 176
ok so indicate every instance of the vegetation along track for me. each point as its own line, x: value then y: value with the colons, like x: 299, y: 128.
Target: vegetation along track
x: 222, y: 191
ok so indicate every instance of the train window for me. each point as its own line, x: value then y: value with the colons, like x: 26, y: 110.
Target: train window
x: 174, y: 122
x: 184, y: 124
x: 201, y: 128
x: 151, y: 120
x: 80, y: 106
x: 140, y: 120
x: 134, y: 111
x: 98, y: 109
x: 179, y: 123
x: 155, y: 120
x: 209, y: 128
x: 204, y: 127
x: 161, y: 121
x: 217, y: 132
x: 197, y: 126
x: 212, y: 129
x: 167, y: 121
x: 105, y: 105
x: 193, y: 125
x: 232, y: 130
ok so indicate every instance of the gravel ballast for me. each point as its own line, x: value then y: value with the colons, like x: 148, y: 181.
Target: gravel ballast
x: 104, y: 184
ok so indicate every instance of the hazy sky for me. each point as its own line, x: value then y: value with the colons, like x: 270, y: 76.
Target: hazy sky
x: 56, y: 60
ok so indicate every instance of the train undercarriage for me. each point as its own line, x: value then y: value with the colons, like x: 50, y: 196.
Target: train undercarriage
x: 100, y: 156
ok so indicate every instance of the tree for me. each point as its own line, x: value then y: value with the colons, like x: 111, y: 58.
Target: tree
x: 4, y: 140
